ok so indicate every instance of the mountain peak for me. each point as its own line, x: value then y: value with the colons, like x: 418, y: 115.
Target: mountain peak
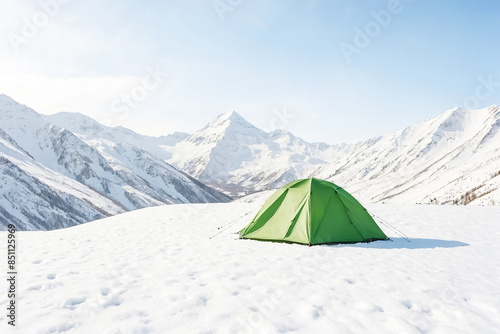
x: 11, y: 109
x: 232, y: 116
x: 230, y: 120
x: 494, y: 107
x: 7, y: 100
x: 227, y: 129
x: 77, y: 123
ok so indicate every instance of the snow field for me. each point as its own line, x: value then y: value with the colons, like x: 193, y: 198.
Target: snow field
x: 155, y: 270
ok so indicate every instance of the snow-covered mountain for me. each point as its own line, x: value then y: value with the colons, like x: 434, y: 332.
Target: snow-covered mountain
x: 233, y: 155
x: 35, y: 197
x: 453, y: 158
x: 51, y: 177
x: 65, y: 169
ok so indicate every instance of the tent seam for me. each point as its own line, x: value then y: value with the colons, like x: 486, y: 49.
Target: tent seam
x: 349, y: 216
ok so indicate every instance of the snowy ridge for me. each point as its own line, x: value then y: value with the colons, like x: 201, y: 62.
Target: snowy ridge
x: 233, y: 155
x: 37, y: 198
x: 68, y: 181
x: 437, y: 161
x: 450, y: 159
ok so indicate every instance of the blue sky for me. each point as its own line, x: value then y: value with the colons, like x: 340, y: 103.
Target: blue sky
x: 280, y: 64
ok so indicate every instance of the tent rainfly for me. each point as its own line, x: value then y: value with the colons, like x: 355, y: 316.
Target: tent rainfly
x: 311, y: 212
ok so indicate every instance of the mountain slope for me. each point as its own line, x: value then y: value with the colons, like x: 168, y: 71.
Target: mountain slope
x: 452, y: 158
x: 35, y: 198
x: 35, y: 150
x: 157, y: 181
x: 437, y: 161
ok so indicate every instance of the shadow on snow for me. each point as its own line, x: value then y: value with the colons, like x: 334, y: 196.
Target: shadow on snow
x: 401, y: 243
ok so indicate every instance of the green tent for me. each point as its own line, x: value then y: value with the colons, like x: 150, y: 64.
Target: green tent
x: 312, y: 211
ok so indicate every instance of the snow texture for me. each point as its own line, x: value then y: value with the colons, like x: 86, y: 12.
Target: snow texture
x: 156, y: 270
